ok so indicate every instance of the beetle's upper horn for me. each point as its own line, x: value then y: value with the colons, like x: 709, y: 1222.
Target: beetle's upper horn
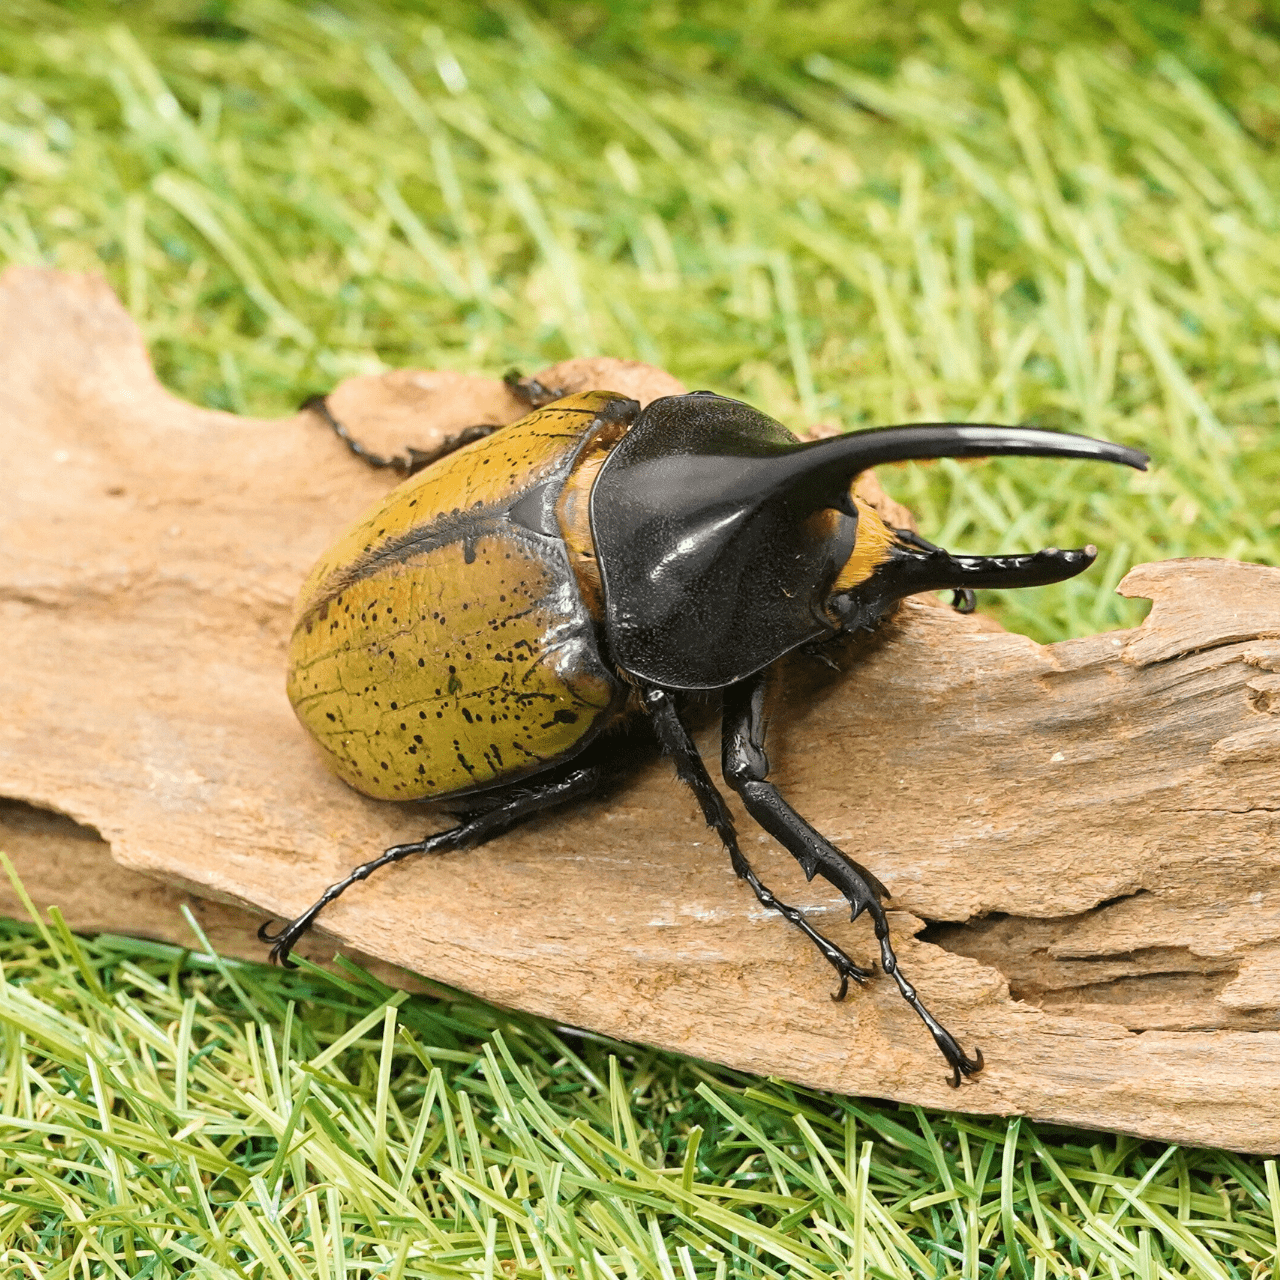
x: 846, y: 456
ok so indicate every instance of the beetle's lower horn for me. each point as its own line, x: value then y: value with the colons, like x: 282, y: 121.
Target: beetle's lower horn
x: 929, y: 568
x: 914, y: 565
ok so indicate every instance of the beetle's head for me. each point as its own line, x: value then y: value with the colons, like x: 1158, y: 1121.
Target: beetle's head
x: 723, y: 542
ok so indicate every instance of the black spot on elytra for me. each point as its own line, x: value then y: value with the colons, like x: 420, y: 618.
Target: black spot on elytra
x: 562, y: 717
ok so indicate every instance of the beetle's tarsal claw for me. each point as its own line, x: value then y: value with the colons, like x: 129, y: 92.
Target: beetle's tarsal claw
x: 963, y: 600
x: 961, y: 1064
x: 284, y: 939
x: 848, y: 970
x: 965, y: 1066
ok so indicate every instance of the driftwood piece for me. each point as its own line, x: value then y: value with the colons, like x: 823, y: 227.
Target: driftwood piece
x: 1090, y: 828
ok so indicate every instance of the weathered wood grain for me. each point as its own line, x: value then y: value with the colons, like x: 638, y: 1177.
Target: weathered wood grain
x: 1081, y: 839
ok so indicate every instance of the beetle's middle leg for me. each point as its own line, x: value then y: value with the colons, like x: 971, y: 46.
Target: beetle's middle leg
x: 746, y: 769
x: 676, y: 742
x: 521, y: 802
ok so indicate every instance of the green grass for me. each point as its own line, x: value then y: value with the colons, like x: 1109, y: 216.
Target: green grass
x: 844, y: 212
x: 164, y: 1112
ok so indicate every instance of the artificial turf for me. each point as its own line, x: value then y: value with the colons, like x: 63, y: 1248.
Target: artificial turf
x: 847, y: 213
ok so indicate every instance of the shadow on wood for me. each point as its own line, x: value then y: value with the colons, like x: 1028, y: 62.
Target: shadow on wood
x: 1080, y: 839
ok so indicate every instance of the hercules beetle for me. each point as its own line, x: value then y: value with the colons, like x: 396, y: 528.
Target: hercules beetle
x: 471, y: 637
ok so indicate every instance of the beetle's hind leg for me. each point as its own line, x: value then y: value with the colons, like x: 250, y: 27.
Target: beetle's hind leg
x: 746, y: 769
x: 676, y: 742
x: 412, y: 460
x: 519, y: 803
x: 529, y: 391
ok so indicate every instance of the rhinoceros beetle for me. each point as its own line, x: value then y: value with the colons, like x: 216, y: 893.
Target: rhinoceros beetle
x: 524, y: 589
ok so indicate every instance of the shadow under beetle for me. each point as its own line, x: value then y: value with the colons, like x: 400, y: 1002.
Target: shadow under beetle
x: 474, y: 633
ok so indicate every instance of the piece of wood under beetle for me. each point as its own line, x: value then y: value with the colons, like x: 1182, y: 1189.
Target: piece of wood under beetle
x: 1089, y: 827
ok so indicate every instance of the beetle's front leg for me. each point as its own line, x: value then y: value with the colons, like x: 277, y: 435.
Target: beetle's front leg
x: 693, y: 773
x: 746, y: 769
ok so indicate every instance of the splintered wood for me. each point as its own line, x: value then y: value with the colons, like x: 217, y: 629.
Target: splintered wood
x: 1081, y: 839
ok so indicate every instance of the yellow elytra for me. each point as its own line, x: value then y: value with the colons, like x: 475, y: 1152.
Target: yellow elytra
x: 442, y: 644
